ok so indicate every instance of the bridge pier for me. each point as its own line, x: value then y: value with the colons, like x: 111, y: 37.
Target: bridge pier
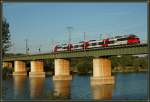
x: 102, y: 72
x: 37, y: 69
x: 62, y: 71
x: 7, y: 65
x: 20, y: 68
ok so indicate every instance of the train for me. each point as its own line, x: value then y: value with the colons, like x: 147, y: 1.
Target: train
x: 92, y: 44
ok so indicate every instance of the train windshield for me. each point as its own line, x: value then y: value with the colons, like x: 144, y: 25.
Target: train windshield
x: 133, y: 36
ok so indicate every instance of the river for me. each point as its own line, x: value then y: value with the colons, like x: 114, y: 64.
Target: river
x: 127, y: 86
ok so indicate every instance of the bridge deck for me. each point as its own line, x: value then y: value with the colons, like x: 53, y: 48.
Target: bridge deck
x: 106, y: 51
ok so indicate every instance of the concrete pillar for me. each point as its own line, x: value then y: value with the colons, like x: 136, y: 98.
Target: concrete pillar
x: 37, y: 69
x: 36, y: 87
x: 102, y: 91
x: 20, y: 68
x: 19, y: 86
x: 102, y: 71
x: 62, y: 70
x: 62, y: 88
x: 7, y: 65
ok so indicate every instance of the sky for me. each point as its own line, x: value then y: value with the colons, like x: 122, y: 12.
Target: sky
x: 45, y: 24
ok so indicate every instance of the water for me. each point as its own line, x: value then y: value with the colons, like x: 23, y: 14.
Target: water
x: 127, y: 86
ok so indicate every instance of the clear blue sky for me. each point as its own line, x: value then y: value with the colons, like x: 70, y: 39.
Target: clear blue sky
x: 44, y: 24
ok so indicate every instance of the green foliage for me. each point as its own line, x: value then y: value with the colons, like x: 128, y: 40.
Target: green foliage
x: 84, y: 67
x: 135, y: 62
x: 143, y: 63
x: 5, y: 36
x: 115, y: 61
x: 6, y: 72
x: 48, y: 65
x: 127, y: 60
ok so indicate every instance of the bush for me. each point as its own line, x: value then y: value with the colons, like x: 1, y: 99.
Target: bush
x: 6, y: 72
x: 83, y: 67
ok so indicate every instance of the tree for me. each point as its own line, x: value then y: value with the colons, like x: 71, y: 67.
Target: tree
x: 136, y: 62
x: 115, y: 61
x: 143, y: 63
x: 84, y: 67
x: 6, y: 44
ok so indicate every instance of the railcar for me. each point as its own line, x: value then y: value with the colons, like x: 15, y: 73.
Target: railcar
x: 91, y: 44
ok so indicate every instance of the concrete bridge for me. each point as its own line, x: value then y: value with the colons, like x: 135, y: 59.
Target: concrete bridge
x: 101, y: 64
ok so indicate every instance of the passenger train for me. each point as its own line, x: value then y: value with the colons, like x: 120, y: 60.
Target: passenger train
x: 91, y: 44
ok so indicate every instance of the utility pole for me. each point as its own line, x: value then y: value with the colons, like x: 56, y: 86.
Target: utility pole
x: 52, y: 45
x: 27, y: 48
x: 39, y: 49
x: 13, y: 46
x: 69, y: 35
x: 84, y: 36
x: 84, y: 41
x: 100, y: 36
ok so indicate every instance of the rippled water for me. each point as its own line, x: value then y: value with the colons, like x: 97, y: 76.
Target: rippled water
x: 127, y: 86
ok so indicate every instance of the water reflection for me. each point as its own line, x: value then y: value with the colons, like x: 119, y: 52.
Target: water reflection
x: 102, y: 91
x: 22, y: 87
x: 19, y: 84
x: 36, y: 87
x: 62, y: 88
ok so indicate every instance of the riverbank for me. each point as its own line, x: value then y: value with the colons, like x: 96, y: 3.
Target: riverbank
x: 129, y: 69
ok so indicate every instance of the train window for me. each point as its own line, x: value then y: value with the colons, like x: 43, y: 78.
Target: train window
x: 111, y: 42
x: 93, y: 44
x: 86, y: 44
x: 76, y: 46
x: 81, y: 45
x: 58, y: 47
x: 117, y: 36
x: 101, y: 43
x: 91, y: 40
x: 107, y: 42
x: 64, y: 47
x: 122, y: 39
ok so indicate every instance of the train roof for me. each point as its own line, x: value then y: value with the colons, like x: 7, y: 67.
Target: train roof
x: 91, y: 40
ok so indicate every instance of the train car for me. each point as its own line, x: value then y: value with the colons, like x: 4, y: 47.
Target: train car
x: 78, y: 46
x: 91, y: 44
x: 63, y: 47
x: 127, y: 39
x: 133, y: 39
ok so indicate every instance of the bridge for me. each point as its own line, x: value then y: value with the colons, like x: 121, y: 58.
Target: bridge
x: 101, y: 64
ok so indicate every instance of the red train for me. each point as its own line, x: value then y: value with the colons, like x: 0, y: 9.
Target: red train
x: 114, y: 41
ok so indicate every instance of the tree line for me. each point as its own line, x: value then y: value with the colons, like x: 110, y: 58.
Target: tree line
x: 85, y: 65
